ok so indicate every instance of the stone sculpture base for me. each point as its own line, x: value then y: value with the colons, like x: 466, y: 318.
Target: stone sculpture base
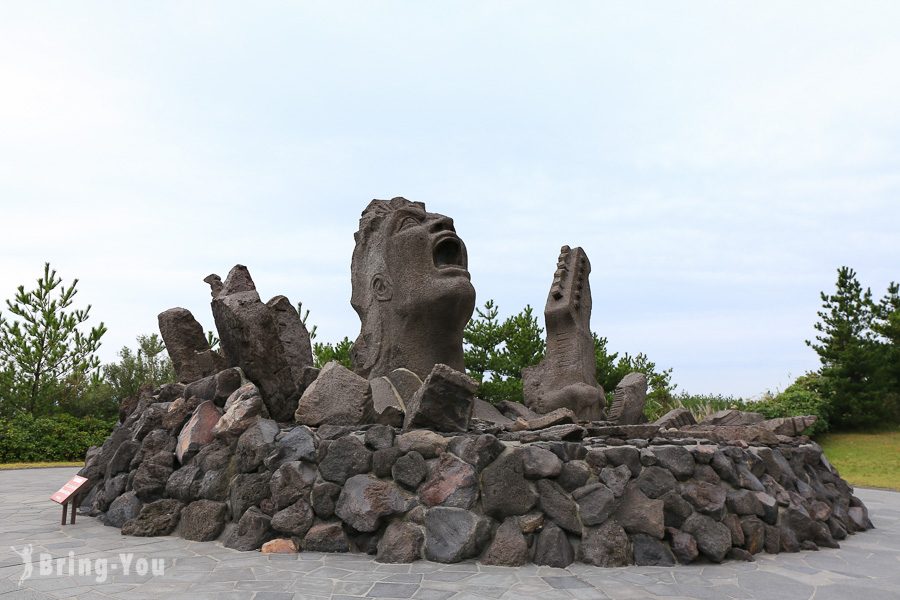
x: 607, y: 495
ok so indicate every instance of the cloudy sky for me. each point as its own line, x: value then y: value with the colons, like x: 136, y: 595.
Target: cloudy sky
x: 716, y: 160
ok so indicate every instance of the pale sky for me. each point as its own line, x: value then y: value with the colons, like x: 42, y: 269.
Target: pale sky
x: 717, y: 161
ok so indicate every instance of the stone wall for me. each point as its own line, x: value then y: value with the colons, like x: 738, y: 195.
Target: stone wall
x: 216, y: 467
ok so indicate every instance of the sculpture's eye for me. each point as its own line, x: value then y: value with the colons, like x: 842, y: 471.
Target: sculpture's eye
x: 408, y: 222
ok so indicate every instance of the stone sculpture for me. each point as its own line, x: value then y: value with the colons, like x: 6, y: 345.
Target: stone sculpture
x: 411, y: 289
x: 567, y: 377
x: 262, y: 451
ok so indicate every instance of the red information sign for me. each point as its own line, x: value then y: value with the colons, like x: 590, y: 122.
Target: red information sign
x: 67, y: 490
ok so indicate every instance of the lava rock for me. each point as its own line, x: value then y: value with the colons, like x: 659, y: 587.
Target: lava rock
x: 454, y: 534
x: 291, y: 482
x: 509, y: 547
x: 706, y: 498
x: 247, y: 490
x: 649, y: 551
x: 452, y: 482
x: 242, y: 409
x: 713, y: 538
x: 338, y: 396
x: 443, y: 402
x: 477, y: 450
x: 409, y: 470
x: 155, y: 519
x: 203, y: 520
x: 606, y: 546
x: 616, y: 478
x: 295, y: 519
x: 251, y: 532
x: 427, y: 443
x: 326, y: 537
x: 539, y: 463
x: 401, y: 543
x: 639, y: 514
x: 504, y: 490
x: 656, y: 482
x: 124, y: 508
x: 255, y: 444
x: 298, y: 443
x: 675, y: 459
x: 365, y: 500
x: 346, y: 457
x: 552, y: 548
x: 557, y: 505
x: 595, y: 503
x: 573, y: 475
x: 324, y: 495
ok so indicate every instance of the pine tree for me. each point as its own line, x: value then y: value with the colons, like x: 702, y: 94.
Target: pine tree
x: 46, y: 355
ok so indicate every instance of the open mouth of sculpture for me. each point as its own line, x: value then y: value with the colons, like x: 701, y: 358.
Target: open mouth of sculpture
x: 448, y: 253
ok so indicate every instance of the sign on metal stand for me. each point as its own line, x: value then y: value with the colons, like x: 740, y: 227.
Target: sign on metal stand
x: 67, y: 494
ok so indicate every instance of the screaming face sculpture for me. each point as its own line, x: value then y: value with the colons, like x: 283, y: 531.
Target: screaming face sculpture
x: 411, y: 290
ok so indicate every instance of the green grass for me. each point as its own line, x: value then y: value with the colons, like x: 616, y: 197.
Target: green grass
x: 38, y: 465
x: 865, y: 459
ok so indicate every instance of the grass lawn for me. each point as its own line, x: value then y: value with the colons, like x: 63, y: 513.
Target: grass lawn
x: 865, y: 459
x: 39, y: 465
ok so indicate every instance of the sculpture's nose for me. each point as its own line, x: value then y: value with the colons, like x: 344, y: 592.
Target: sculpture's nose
x: 442, y: 224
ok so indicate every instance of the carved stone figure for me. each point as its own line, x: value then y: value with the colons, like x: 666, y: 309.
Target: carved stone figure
x: 411, y: 289
x: 629, y: 399
x: 567, y: 377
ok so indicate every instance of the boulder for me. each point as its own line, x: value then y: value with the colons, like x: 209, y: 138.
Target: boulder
x: 557, y: 505
x: 401, y: 543
x: 539, y: 463
x: 452, y: 482
x: 454, y: 534
x: 733, y: 418
x: 216, y: 388
x: 684, y: 546
x: 409, y: 470
x: 155, y: 519
x: 606, y: 546
x: 616, y: 478
x: 790, y: 426
x: 203, y: 520
x: 295, y: 519
x: 405, y: 382
x: 187, y: 346
x: 379, y: 437
x: 124, y: 508
x: 326, y: 537
x: 387, y: 404
x: 242, y: 409
x: 295, y: 444
x: 574, y: 474
x: 713, y: 538
x: 559, y: 416
x: 247, y: 490
x: 552, y: 548
x: 345, y: 458
x: 675, y: 419
x: 477, y: 450
x: 487, y: 412
x: 365, y: 500
x: 251, y: 532
x: 184, y: 484
x: 255, y: 444
x: 121, y: 458
x: 639, y: 514
x: 650, y: 552
x: 383, y: 461
x: 504, y: 490
x: 706, y: 498
x: 443, y: 402
x: 676, y: 459
x: 595, y: 503
x: 150, y: 478
x: 338, y: 396
x: 754, y: 532
x: 655, y: 482
x: 291, y: 482
x: 198, y: 432
x: 427, y: 443
x: 629, y: 399
x: 324, y: 495
x: 509, y: 547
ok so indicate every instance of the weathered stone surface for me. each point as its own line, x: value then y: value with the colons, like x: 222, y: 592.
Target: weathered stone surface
x: 156, y: 518
x: 295, y: 519
x: 255, y: 444
x: 203, y: 520
x: 251, y: 532
x: 326, y: 537
x: 557, y: 505
x: 383, y: 461
x: 606, y: 546
x: 650, y: 552
x: 410, y: 470
x: 538, y: 463
x: 504, y: 490
x: 629, y: 399
x: 754, y: 532
x: 479, y: 451
x: 552, y: 548
x: 198, y: 431
x: 291, y: 482
x: 184, y: 484
x: 179, y: 411
x: 744, y: 502
x: 150, y: 419
x: 644, y: 431
x: 791, y: 426
x: 733, y: 418
x: 656, y: 481
x: 242, y: 409
x: 346, y: 457
x: 388, y: 406
x: 596, y: 503
x: 187, y: 346
x: 280, y: 546
x: 733, y: 523
x: 509, y: 547
x: 622, y: 455
x: 121, y: 459
x: 324, y: 495
x: 452, y: 482
x: 215, y: 455
x: 485, y: 411
x: 567, y: 376
x: 560, y: 416
x: 124, y: 508
x: 516, y: 410
x: 454, y: 534
x: 427, y: 443
x: 675, y: 419
x: 150, y: 478
x: 574, y: 474
x: 411, y: 290
x: 247, y: 490
x: 443, y: 402
x: 683, y: 545
x: 216, y: 387
x: 298, y: 443
x: 365, y: 500
x: 713, y: 538
x: 676, y: 459
x: 401, y: 543
x: 639, y: 514
x: 706, y: 498
x: 338, y: 396
x: 379, y: 437
x: 267, y: 341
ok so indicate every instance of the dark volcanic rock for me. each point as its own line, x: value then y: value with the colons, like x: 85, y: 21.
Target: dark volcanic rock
x: 383, y: 460
x: 539, y: 463
x: 198, y: 432
x: 451, y: 482
x: 297, y: 444
x: 401, y: 543
x: 338, y: 396
x: 656, y: 482
x: 454, y: 534
x: 379, y: 437
x: 479, y: 451
x: 326, y: 537
x: 243, y: 408
x: 216, y: 388
x: 295, y: 519
x: 504, y: 490
x: 324, y: 495
x: 427, y: 443
x: 595, y: 503
x: 247, y: 490
x: 713, y: 538
x: 203, y: 520
x: 255, y: 444
x: 649, y: 551
x: 706, y: 498
x: 187, y: 346
x: 509, y: 547
x: 552, y: 548
x: 557, y: 505
x: 345, y: 458
x: 628, y: 400
x: 639, y: 514
x: 184, y: 484
x: 676, y: 459
x: 156, y: 518
x: 149, y: 482
x: 365, y: 500
x: 573, y: 475
x: 606, y: 546
x: 251, y: 532
x: 291, y: 482
x: 443, y: 403
x: 410, y: 470
x: 684, y: 546
x: 122, y: 509
x: 616, y: 478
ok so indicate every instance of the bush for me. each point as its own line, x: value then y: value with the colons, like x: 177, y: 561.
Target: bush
x: 803, y: 397
x: 25, y: 438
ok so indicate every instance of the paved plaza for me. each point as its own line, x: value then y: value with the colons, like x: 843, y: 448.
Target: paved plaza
x: 866, y: 567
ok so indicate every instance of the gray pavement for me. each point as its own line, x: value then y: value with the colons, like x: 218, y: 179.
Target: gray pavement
x: 866, y: 567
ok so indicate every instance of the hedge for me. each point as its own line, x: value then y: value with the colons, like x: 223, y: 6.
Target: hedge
x: 24, y: 438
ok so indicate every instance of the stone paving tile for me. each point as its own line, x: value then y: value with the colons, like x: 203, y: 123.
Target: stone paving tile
x: 867, y: 566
